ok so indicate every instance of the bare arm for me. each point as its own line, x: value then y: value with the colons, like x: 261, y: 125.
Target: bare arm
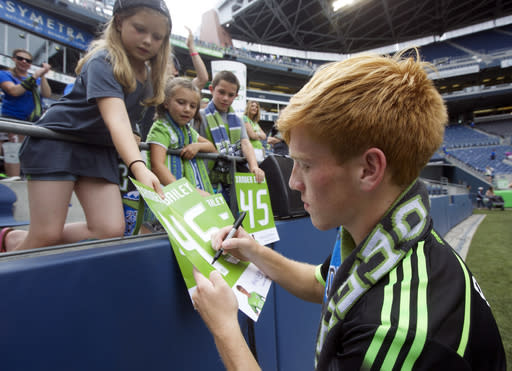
x: 201, y: 73
x: 16, y: 90
x: 113, y: 112
x: 262, y: 134
x: 218, y: 306
x: 12, y: 89
x: 248, y: 151
x: 259, y: 135
x: 273, y: 140
x: 158, y: 155
x: 295, y: 277
x: 46, y: 91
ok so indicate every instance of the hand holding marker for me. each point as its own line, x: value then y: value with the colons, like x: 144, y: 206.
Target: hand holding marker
x: 230, y: 235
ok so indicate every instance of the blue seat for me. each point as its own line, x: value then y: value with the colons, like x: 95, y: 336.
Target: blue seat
x: 7, y: 200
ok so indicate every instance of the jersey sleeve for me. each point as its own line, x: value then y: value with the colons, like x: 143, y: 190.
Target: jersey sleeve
x: 99, y: 80
x: 4, y: 76
x: 322, y: 270
x: 158, y: 134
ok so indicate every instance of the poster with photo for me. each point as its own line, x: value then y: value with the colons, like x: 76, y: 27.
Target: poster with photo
x: 190, y: 220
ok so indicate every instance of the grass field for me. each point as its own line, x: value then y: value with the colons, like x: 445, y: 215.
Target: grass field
x: 490, y: 260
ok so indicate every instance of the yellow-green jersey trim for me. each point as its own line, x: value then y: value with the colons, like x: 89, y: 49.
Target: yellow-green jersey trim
x: 318, y: 275
x: 422, y: 314
x: 405, y: 316
x: 464, y: 337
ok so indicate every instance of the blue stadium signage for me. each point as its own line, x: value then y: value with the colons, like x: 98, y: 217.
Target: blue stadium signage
x: 41, y: 23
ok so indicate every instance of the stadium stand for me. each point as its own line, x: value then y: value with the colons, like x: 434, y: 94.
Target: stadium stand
x: 486, y: 42
x: 501, y: 128
x: 458, y: 136
x: 479, y: 158
x: 441, y: 53
x: 484, y: 49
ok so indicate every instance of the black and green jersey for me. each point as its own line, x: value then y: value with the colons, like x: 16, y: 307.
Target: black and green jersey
x: 256, y: 302
x: 404, y: 300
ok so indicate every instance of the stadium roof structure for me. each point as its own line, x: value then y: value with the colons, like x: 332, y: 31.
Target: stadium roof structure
x: 313, y: 25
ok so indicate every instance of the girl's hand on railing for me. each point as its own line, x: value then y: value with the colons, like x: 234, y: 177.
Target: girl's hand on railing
x: 190, y: 151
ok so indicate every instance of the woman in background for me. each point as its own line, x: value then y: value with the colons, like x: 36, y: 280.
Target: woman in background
x: 254, y: 131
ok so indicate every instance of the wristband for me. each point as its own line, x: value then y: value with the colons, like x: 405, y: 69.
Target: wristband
x: 133, y: 162
x: 194, y: 53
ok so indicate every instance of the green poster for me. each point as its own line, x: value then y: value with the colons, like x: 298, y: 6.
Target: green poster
x: 190, y: 220
x: 254, y: 198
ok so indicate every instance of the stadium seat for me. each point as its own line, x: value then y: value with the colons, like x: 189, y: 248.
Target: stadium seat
x: 7, y: 200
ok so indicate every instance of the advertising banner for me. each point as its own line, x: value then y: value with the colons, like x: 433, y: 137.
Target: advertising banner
x: 41, y: 23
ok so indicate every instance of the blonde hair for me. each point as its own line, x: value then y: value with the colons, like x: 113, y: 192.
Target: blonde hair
x: 110, y: 40
x: 172, y: 84
x: 256, y: 116
x: 372, y: 101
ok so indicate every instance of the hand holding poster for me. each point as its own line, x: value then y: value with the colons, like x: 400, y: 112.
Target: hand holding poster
x: 190, y: 220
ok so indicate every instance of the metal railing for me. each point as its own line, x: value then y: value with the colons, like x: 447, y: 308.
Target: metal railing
x: 29, y: 129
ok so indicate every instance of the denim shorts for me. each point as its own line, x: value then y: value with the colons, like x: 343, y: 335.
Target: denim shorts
x: 52, y: 176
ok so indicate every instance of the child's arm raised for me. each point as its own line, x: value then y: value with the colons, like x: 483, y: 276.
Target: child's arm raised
x: 113, y: 112
x: 201, y: 72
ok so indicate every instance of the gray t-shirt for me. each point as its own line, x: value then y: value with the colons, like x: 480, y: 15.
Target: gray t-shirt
x: 77, y: 113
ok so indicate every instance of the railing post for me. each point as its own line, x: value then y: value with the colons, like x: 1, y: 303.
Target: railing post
x: 233, y: 204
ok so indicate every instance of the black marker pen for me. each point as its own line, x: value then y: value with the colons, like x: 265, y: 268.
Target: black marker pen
x: 231, y: 233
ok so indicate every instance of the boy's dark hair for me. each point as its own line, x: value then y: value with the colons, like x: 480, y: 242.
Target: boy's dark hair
x: 226, y: 76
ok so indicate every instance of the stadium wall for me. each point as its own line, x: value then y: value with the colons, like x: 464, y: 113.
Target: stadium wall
x: 122, y: 305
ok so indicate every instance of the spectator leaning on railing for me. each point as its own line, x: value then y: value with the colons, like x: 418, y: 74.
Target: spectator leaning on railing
x: 107, y: 101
